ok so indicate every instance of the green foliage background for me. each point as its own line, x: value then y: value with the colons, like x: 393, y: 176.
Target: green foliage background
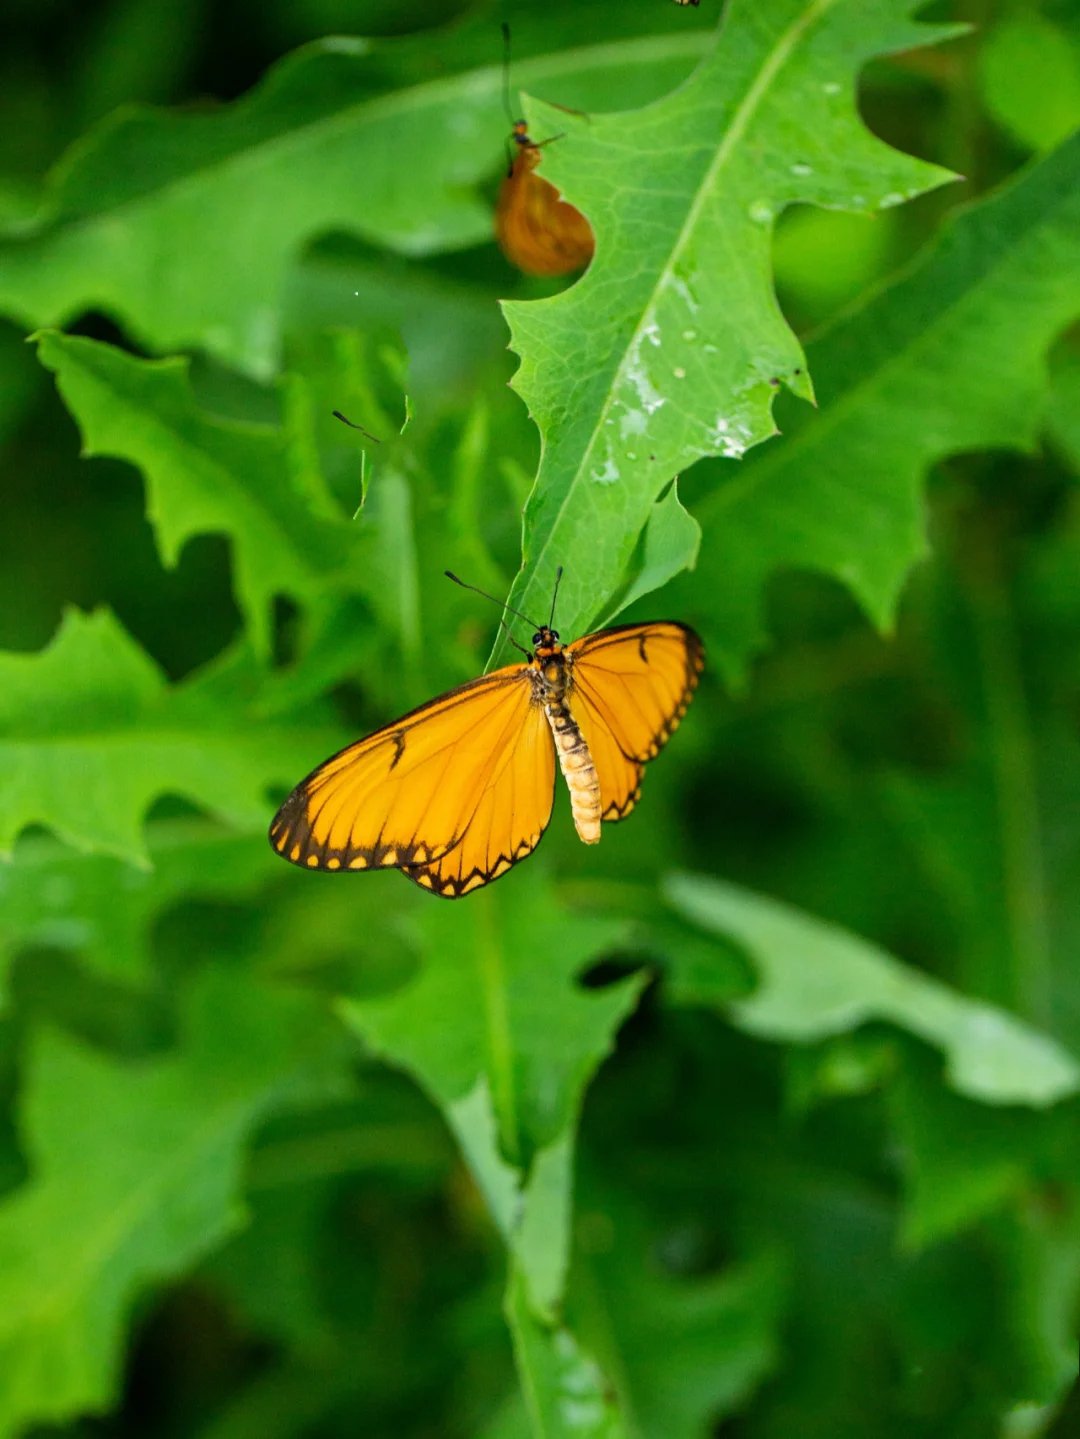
x: 761, y: 1118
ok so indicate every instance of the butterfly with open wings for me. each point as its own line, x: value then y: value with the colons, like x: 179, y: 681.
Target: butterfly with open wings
x: 456, y: 792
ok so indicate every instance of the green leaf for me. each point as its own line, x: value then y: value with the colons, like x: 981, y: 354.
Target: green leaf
x: 1064, y: 416
x: 1042, y: 1271
x: 1030, y: 73
x: 960, y: 1160
x: 91, y: 735
x: 19, y: 384
x: 51, y: 895
x: 826, y: 259
x: 682, y: 1350
x: 565, y: 1394
x: 668, y: 544
x: 183, y: 227
x: 292, y: 1271
x: 207, y: 475
x: 996, y: 835
x: 673, y: 336
x: 504, y: 1040
x: 949, y: 357
x: 281, y: 1402
x: 136, y: 1171
x: 816, y: 980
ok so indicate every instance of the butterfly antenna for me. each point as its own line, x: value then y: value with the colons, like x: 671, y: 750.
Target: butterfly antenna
x: 506, y: 99
x: 506, y: 627
x: 554, y: 597
x: 516, y: 643
x: 501, y: 603
x: 506, y: 75
x: 354, y: 426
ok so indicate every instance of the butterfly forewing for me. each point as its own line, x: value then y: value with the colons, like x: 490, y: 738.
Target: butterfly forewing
x: 410, y: 793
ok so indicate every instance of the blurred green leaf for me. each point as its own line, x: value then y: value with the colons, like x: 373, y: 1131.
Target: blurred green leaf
x: 138, y: 51
x: 90, y: 735
x: 956, y: 344
x: 367, y: 1166
x: 142, y: 217
x: 961, y: 1160
x: 18, y: 383
x: 104, y: 909
x: 682, y: 1349
x: 278, y: 1404
x: 1042, y: 1269
x: 135, y: 1171
x: 564, y: 1392
x: 826, y: 258
x: 996, y: 836
x: 1064, y: 416
x: 206, y: 475
x: 815, y: 979
x: 673, y: 336
x: 505, y: 1040
x: 338, y: 285
x: 1030, y: 73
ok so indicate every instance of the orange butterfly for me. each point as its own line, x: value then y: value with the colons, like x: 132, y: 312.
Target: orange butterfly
x: 536, y: 229
x: 456, y: 792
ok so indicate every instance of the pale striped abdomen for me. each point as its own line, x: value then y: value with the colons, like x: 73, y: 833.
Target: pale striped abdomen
x: 578, y: 769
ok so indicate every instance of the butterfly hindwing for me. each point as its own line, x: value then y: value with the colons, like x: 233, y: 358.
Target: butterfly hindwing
x: 512, y: 809
x: 409, y: 795
x: 631, y: 687
x: 538, y: 231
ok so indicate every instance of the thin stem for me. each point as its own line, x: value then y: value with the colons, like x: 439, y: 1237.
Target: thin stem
x: 1013, y: 765
x: 489, y: 955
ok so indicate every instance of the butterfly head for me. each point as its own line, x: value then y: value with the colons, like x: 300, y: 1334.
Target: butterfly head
x: 546, y: 641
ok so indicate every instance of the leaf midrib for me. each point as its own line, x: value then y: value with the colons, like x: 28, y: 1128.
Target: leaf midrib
x: 740, y: 120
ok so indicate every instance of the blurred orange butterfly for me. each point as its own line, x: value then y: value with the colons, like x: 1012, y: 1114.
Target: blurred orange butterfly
x: 456, y: 792
x: 537, y: 230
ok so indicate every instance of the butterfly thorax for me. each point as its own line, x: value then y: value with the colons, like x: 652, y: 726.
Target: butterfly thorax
x: 552, y: 678
x: 551, y: 665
